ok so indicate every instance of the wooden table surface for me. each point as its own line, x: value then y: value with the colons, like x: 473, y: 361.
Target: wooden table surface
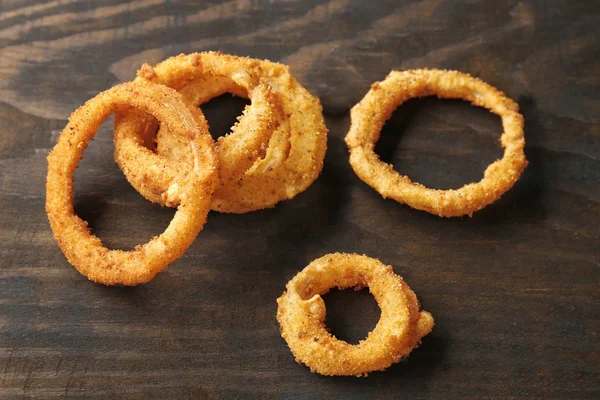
x: 514, y: 290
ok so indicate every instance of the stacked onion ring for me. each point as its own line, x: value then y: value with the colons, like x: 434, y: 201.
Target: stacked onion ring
x: 274, y: 152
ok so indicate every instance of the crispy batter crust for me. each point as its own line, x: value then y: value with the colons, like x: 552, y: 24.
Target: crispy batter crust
x: 371, y: 113
x: 199, y: 79
x: 285, y: 171
x: 274, y: 152
x: 191, y: 191
x: 301, y: 315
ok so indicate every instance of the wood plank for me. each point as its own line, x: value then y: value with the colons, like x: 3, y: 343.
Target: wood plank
x: 514, y: 290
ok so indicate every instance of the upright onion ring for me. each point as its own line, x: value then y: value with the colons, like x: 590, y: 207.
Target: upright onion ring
x: 370, y: 114
x: 191, y: 191
x: 301, y: 315
x: 293, y: 158
x: 279, y: 175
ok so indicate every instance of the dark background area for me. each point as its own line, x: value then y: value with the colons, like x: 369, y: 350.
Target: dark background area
x: 514, y: 290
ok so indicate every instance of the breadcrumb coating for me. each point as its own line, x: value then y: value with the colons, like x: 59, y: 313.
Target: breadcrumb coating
x: 301, y: 315
x: 192, y: 192
x: 274, y: 152
x: 371, y: 113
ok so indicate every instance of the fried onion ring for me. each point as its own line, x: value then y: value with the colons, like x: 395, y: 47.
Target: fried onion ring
x: 301, y: 315
x: 237, y: 151
x: 257, y: 179
x: 280, y: 175
x: 371, y: 113
x: 191, y: 191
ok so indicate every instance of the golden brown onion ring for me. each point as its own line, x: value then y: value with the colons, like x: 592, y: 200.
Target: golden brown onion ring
x: 371, y: 113
x: 301, y: 315
x: 211, y: 76
x: 294, y: 156
x: 280, y: 176
x: 191, y: 191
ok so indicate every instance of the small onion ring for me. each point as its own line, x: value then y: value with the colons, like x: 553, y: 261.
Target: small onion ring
x: 301, y: 315
x: 192, y: 192
x: 294, y: 156
x: 370, y: 114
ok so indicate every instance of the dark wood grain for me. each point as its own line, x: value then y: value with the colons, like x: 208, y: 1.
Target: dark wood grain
x: 514, y: 290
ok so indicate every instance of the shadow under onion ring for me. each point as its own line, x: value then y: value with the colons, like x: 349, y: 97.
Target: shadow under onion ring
x: 191, y: 192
